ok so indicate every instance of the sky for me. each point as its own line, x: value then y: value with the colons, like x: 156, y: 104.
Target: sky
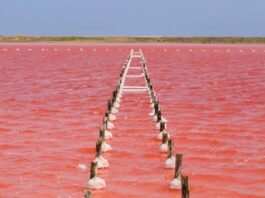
x: 132, y: 17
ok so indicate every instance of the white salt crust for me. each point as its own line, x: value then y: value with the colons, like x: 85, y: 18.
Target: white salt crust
x: 101, y: 162
x: 105, y: 147
x: 96, y: 183
x: 170, y: 162
x: 163, y: 148
x: 176, y: 183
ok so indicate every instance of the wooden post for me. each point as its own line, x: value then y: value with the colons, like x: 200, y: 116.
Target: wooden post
x: 112, y: 102
x: 105, y: 120
x: 93, y: 169
x: 164, y: 138
x: 114, y: 94
x: 98, y: 146
x: 178, y: 165
x: 170, y: 148
x: 109, y: 105
x: 150, y: 86
x: 87, y: 194
x: 104, y: 125
x: 156, y: 107
x: 185, y: 187
x: 102, y: 132
x: 152, y: 95
x: 146, y: 74
x: 162, y: 126
x: 159, y: 116
x: 107, y: 114
x: 149, y: 82
x: 147, y: 78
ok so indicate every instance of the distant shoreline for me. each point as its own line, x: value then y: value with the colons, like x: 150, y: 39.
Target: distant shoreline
x: 198, y: 40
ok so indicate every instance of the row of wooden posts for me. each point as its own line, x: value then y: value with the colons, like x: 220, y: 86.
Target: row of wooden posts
x: 94, y: 182
x: 179, y: 181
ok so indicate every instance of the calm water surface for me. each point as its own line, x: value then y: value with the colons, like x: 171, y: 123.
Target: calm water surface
x: 53, y: 97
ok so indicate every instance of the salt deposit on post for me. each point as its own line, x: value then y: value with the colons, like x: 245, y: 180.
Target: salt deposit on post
x: 95, y: 182
x: 171, y: 159
x: 101, y: 161
x: 176, y: 182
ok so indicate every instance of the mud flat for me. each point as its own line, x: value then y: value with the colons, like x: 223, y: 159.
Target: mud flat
x: 256, y: 40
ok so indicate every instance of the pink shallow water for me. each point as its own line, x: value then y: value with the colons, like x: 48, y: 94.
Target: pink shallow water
x: 52, y: 101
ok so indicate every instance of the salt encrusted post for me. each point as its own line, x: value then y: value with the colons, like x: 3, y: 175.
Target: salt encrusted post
x: 152, y: 94
x: 176, y: 183
x: 170, y: 162
x: 102, y: 132
x: 107, y: 114
x: 109, y: 105
x: 93, y: 170
x: 95, y: 182
x: 164, y: 146
x: 164, y: 138
x: 101, y: 161
x: 162, y: 130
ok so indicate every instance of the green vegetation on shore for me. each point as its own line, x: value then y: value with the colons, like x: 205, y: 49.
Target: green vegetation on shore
x: 257, y: 40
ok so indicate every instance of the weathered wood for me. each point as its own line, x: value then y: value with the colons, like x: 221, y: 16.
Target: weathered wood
x: 147, y: 78
x: 185, y: 187
x: 109, y: 105
x: 178, y: 165
x: 149, y: 83
x: 170, y: 148
x: 114, y: 94
x: 152, y: 93
x: 93, y: 169
x: 162, y: 126
x: 102, y: 132
x: 164, y: 138
x: 107, y: 114
x: 105, y: 120
x: 156, y: 106
x: 159, y: 116
x: 104, y: 125
x: 98, y: 146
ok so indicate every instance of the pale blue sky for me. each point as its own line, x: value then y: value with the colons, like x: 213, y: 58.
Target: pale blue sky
x: 132, y: 17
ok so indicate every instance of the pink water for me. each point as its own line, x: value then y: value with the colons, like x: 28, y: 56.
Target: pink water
x: 52, y: 101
